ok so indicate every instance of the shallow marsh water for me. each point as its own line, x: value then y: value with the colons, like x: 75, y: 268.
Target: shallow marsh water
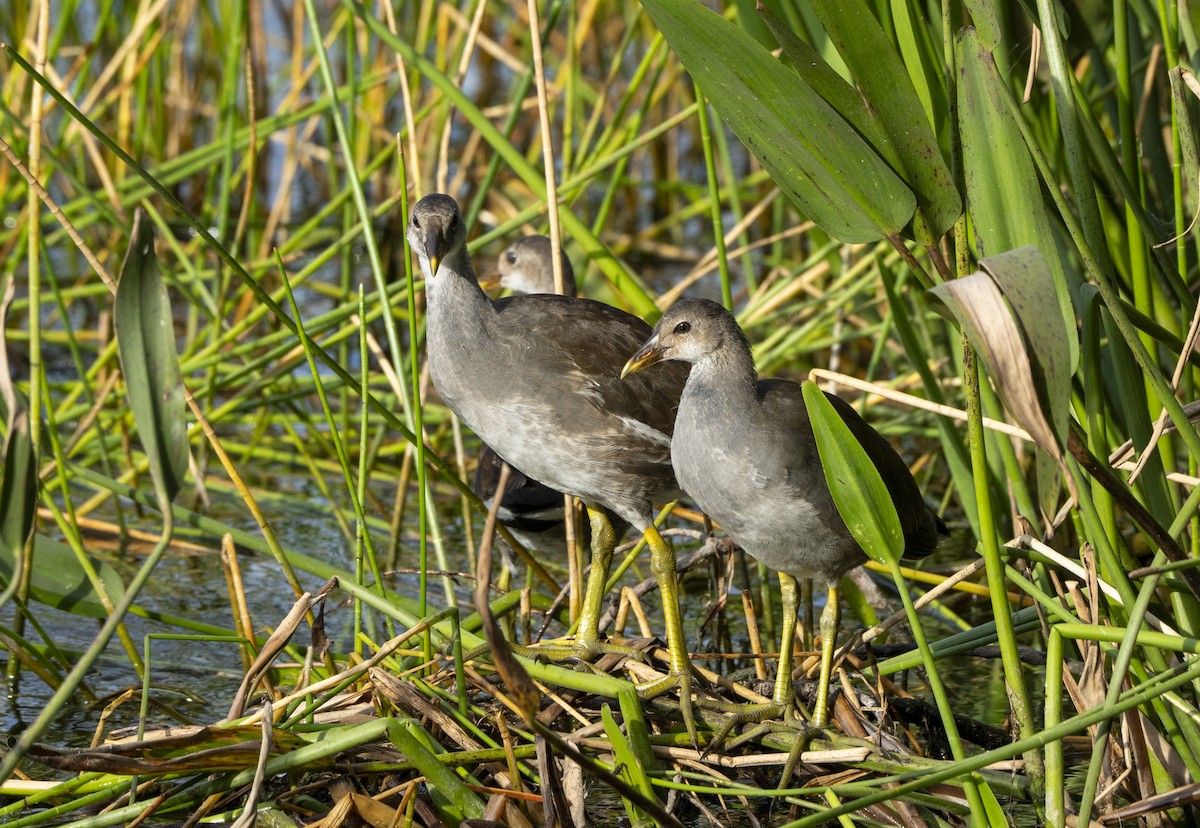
x: 196, y: 679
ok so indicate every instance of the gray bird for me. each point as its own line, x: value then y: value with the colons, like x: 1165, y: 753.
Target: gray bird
x: 744, y: 450
x: 538, y: 379
x: 531, y: 510
x: 526, y: 267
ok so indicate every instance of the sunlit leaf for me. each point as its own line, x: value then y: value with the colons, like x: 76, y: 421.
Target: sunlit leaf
x: 146, y: 342
x: 859, y: 492
x: 818, y: 159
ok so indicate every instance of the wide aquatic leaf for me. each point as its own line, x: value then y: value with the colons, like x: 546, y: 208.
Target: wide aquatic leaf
x: 858, y: 491
x: 146, y: 342
x: 59, y: 580
x: 826, y: 82
x: 814, y: 156
x: 887, y: 89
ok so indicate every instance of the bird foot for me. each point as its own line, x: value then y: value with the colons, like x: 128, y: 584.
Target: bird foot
x: 683, y: 680
x: 740, y: 714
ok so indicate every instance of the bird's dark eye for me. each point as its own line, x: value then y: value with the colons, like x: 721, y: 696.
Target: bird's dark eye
x: 416, y: 222
x: 683, y: 327
x: 453, y: 222
x: 510, y: 257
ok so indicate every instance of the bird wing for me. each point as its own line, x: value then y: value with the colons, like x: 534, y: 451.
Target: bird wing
x: 584, y: 347
x: 784, y: 401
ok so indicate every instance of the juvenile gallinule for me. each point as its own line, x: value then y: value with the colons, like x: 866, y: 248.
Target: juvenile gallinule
x: 526, y: 267
x: 538, y: 379
x: 744, y: 450
x: 530, y: 509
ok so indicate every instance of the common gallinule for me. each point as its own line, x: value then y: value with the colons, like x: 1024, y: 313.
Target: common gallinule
x: 526, y: 267
x: 744, y: 450
x: 530, y: 509
x: 538, y: 378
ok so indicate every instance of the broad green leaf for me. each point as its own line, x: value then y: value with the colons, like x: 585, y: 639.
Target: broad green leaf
x: 859, y: 492
x: 59, y: 581
x: 814, y: 156
x: 831, y: 86
x: 985, y: 21
x: 146, y: 342
x: 1004, y: 196
x: 887, y: 89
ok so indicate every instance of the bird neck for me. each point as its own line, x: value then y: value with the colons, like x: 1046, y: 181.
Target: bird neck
x: 456, y: 303
x: 730, y: 371
x: 456, y: 280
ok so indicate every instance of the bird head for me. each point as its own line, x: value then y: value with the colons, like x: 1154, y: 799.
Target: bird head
x: 689, y: 330
x: 436, y: 230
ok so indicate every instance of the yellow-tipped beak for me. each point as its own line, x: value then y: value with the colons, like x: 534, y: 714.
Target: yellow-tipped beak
x: 490, y: 281
x: 649, y: 354
x: 434, y: 261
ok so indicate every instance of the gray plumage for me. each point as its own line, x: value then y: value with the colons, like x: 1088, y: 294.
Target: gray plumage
x: 744, y: 450
x: 538, y: 378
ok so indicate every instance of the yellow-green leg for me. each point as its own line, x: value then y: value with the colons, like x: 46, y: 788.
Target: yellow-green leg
x: 662, y: 565
x: 830, y: 621
x: 587, y: 644
x: 789, y: 595
x: 604, y: 540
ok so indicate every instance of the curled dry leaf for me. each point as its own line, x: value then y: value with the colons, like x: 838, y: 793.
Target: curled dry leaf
x: 978, y: 305
x: 1010, y: 312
